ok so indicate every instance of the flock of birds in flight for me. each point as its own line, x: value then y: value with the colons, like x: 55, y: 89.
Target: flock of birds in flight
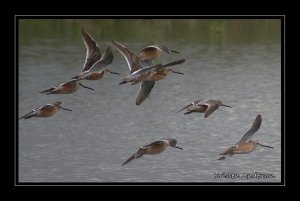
x: 143, y: 71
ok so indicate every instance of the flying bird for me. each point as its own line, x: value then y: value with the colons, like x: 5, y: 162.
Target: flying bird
x: 245, y: 144
x: 95, y: 65
x: 154, y: 148
x: 142, y: 70
x: 45, y: 111
x: 207, y: 107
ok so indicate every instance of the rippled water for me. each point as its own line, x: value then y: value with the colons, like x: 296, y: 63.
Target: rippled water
x: 105, y: 127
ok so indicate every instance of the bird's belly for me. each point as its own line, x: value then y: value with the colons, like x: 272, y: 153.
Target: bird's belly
x: 197, y: 109
x: 155, y: 149
x: 141, y: 77
x: 244, y: 148
x: 47, y: 112
x: 156, y: 77
x: 94, y: 76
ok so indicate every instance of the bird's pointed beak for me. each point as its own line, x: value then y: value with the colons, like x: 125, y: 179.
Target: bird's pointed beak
x: 265, y: 146
x: 112, y: 72
x: 174, y: 51
x: 178, y: 147
x: 226, y: 105
x: 177, y: 72
x: 65, y: 108
x: 86, y: 87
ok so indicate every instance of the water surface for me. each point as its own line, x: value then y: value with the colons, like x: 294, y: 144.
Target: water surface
x: 236, y: 61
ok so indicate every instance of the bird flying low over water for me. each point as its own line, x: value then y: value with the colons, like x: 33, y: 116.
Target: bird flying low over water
x: 153, y: 51
x: 207, y: 107
x: 45, y: 111
x: 153, y: 148
x: 65, y: 88
x: 95, y: 65
x: 142, y: 69
x: 245, y: 144
x: 151, y: 73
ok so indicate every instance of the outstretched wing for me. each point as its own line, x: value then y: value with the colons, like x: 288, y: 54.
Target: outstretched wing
x: 136, y: 155
x: 93, y: 52
x: 172, y: 63
x: 189, y: 105
x: 27, y: 115
x: 255, y: 126
x: 48, y: 90
x: 145, y: 87
x: 144, y: 91
x: 210, y: 110
x: 105, y: 60
x: 131, y: 59
x: 31, y: 113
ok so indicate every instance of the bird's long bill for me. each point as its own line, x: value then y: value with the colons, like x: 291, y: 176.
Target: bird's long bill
x: 113, y: 72
x: 177, y: 72
x: 86, y: 87
x: 129, y: 159
x: 226, y: 105
x: 65, y: 108
x: 175, y: 51
x: 265, y: 146
x: 222, y: 158
x: 178, y: 147
x: 123, y: 82
x: 185, y: 107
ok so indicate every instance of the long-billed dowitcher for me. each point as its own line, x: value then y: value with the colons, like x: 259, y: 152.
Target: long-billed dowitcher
x: 153, y: 148
x: 207, y: 107
x: 151, y: 73
x: 245, y: 144
x: 95, y: 63
x: 65, y: 88
x: 45, y: 111
x: 137, y: 73
x: 153, y: 51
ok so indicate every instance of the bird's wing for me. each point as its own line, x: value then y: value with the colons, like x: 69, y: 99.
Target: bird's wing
x: 160, y: 48
x: 255, y: 126
x: 144, y: 91
x: 210, y: 109
x: 105, y: 60
x: 93, y: 52
x: 24, y: 116
x: 136, y: 155
x: 189, y: 105
x: 172, y: 63
x: 149, y: 48
x: 48, y: 90
x: 131, y: 59
x: 156, y: 143
x: 46, y: 107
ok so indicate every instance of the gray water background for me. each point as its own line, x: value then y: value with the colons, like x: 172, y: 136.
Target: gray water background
x: 236, y: 61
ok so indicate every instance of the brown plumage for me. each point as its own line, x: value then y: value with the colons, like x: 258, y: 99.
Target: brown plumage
x: 153, y: 51
x: 95, y: 63
x: 245, y: 144
x: 136, y: 63
x: 207, y: 107
x: 65, y: 88
x: 45, y: 111
x: 153, y: 148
